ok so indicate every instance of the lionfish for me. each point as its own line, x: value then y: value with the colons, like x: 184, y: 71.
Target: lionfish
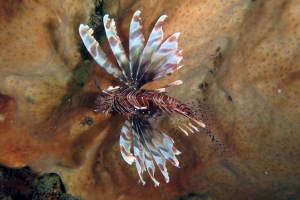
x: 153, y: 61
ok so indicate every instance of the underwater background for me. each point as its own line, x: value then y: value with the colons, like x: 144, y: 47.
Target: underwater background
x: 240, y: 56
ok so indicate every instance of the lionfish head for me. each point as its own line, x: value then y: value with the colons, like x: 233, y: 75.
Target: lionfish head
x: 104, y: 103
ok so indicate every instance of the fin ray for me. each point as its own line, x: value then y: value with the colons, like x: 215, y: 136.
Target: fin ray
x: 163, y: 62
x: 97, y: 53
x: 116, y: 46
x: 150, y: 144
x: 136, y: 45
x: 153, y: 43
x: 126, y: 142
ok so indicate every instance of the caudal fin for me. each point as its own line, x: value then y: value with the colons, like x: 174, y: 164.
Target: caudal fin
x: 223, y: 151
x: 206, y: 113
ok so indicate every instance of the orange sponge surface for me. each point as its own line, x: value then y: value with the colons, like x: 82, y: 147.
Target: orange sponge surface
x: 241, y: 56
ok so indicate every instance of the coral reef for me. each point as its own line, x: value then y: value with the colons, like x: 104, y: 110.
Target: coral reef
x: 242, y: 57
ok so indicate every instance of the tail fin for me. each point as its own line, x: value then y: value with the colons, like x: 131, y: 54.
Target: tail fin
x: 199, y: 117
x: 206, y: 113
x: 223, y: 151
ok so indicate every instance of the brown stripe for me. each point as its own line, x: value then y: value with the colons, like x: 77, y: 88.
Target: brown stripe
x: 135, y: 34
x: 124, y: 136
x: 158, y: 26
x: 135, y: 18
x: 108, y: 24
x: 113, y: 40
x: 172, y: 39
x: 93, y: 49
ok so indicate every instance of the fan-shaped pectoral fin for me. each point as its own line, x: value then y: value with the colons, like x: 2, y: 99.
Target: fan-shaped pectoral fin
x: 152, y: 145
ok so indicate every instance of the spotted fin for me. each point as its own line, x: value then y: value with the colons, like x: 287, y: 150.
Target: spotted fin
x: 149, y: 145
x: 96, y: 52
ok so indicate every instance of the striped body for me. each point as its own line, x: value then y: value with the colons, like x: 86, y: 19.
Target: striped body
x: 136, y: 101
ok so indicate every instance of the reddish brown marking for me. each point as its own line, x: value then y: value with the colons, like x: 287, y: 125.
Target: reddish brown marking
x: 174, y: 149
x: 93, y: 49
x: 163, y: 149
x: 125, y: 137
x: 172, y: 161
x: 148, y: 158
x: 178, y: 53
x: 135, y: 18
x: 172, y: 38
x: 170, y: 66
x: 139, y: 160
x: 165, y: 51
x: 108, y: 24
x: 158, y: 26
x: 157, y: 39
x: 161, y: 167
x: 135, y: 33
x: 113, y: 40
x: 150, y: 170
x: 83, y: 32
x: 122, y: 149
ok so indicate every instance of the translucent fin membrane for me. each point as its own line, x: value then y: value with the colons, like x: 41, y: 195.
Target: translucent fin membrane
x: 205, y: 112
x: 190, y: 121
x: 223, y: 151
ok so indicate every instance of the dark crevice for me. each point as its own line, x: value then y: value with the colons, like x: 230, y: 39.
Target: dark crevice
x: 97, y: 25
x: 22, y: 184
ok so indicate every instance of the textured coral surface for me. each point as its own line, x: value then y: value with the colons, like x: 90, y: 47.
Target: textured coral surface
x: 242, y: 56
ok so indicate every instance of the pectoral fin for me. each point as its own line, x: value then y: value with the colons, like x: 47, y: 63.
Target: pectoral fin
x: 149, y: 145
